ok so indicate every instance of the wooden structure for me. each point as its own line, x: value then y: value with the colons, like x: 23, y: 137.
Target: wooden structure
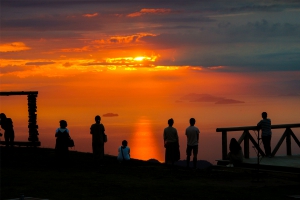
x: 246, y: 137
x: 32, y: 116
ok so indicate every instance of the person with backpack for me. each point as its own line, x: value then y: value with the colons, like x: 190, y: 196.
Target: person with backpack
x: 7, y: 126
x: 62, y: 135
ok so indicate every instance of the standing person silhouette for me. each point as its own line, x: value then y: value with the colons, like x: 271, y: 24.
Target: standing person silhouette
x: 192, y: 134
x: 266, y: 133
x: 62, y: 139
x: 171, y: 142
x: 7, y: 126
x: 98, y: 133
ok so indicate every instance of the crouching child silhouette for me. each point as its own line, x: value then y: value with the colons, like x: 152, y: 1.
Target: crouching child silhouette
x: 235, y: 155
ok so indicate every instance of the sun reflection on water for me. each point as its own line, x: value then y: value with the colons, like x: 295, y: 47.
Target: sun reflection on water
x: 143, y: 143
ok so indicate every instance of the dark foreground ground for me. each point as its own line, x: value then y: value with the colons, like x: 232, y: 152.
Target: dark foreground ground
x: 36, y: 173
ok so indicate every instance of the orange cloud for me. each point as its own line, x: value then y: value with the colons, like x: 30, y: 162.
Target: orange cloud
x: 130, y: 59
x: 124, y: 39
x: 90, y: 15
x: 150, y: 11
x: 83, y: 49
x: 14, y: 46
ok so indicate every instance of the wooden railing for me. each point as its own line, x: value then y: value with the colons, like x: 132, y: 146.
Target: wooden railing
x: 32, y: 109
x: 246, y: 137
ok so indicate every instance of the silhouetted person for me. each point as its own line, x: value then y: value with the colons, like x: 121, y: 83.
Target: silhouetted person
x: 192, y: 134
x: 62, y: 140
x: 98, y: 133
x: 266, y: 133
x: 235, y: 154
x: 124, y: 152
x: 7, y: 126
x: 171, y: 143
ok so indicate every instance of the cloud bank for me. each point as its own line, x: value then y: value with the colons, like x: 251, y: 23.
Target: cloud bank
x: 194, y: 97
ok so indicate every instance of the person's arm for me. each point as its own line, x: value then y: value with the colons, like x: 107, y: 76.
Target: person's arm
x: 259, y: 125
x: 68, y: 132
x: 176, y: 135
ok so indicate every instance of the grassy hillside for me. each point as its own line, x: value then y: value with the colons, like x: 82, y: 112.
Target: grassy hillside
x: 36, y: 173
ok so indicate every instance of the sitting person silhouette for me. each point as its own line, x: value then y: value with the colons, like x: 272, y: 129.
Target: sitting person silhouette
x: 235, y: 155
x: 123, y: 152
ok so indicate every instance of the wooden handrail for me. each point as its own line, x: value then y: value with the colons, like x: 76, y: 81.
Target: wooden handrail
x: 242, y: 128
x: 246, y: 137
x: 18, y: 93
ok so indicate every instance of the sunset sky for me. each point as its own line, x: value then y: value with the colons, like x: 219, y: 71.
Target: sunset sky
x: 138, y: 63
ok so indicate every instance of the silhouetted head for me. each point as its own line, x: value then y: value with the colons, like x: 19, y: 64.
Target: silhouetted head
x: 233, y: 141
x: 192, y: 121
x: 264, y: 115
x: 234, y: 145
x: 171, y: 122
x: 97, y: 119
x: 63, y: 123
x: 124, y: 143
x: 2, y: 116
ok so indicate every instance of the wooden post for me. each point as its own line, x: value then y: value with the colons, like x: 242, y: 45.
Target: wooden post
x: 279, y: 143
x: 246, y: 144
x: 32, y: 122
x: 224, y: 145
x: 295, y: 138
x: 288, y: 142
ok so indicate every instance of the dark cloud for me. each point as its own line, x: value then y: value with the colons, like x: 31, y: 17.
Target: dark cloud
x: 248, y: 35
x: 256, y: 8
x: 110, y: 115
x: 194, y: 97
x: 229, y: 101
x: 39, y: 63
x: 52, y: 23
x: 12, y: 68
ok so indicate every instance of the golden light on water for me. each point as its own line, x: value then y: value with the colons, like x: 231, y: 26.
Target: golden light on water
x: 143, y: 143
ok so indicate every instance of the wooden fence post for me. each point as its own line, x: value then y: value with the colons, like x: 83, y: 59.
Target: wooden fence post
x: 224, y: 145
x: 246, y: 144
x: 288, y: 142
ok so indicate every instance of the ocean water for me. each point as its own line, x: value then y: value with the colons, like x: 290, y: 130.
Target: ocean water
x: 142, y: 125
